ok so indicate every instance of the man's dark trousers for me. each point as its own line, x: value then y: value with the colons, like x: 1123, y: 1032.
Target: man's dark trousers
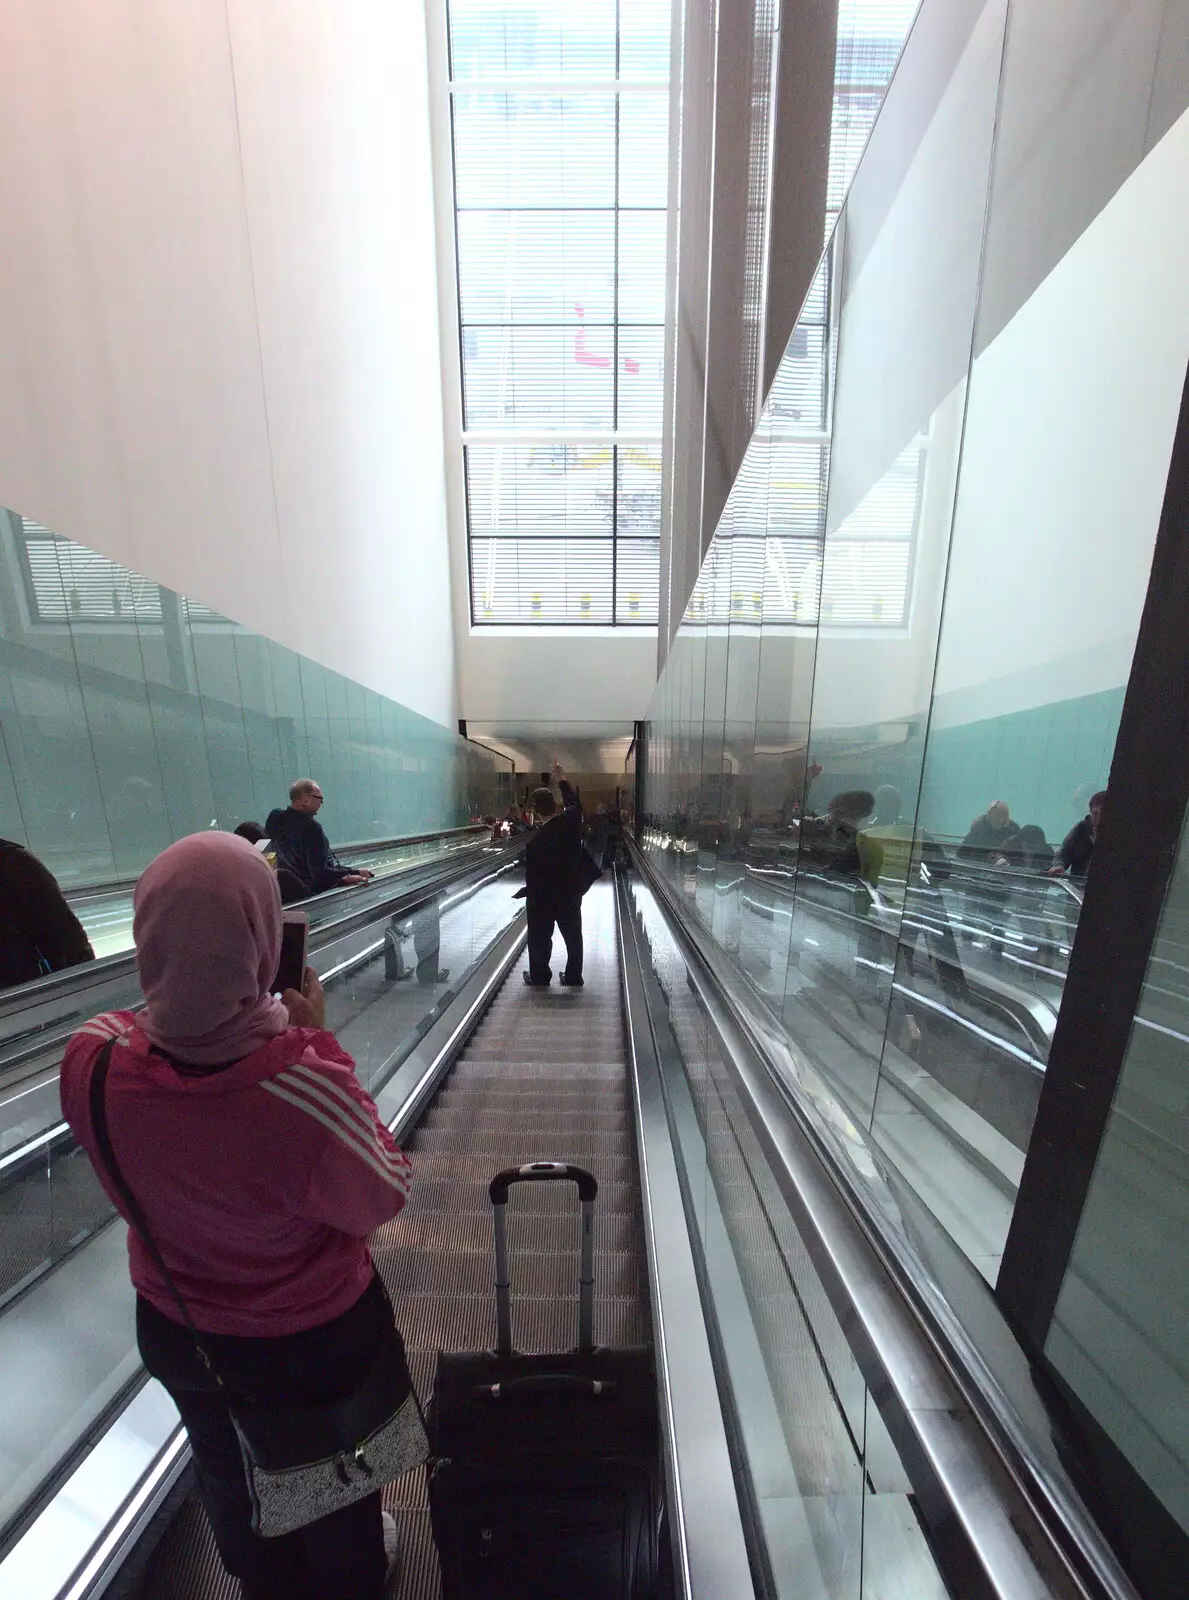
x: 542, y: 915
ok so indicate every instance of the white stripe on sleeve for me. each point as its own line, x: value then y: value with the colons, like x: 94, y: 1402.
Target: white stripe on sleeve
x: 321, y: 1081
x: 104, y: 1027
x: 398, y: 1181
x: 363, y: 1128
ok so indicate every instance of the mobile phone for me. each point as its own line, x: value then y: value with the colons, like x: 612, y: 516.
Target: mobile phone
x: 291, y: 968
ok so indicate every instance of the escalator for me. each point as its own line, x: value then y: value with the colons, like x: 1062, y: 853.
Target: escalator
x: 105, y: 909
x: 817, y: 1441
x: 37, y: 1018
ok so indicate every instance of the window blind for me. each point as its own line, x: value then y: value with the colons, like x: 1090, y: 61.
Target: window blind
x: 560, y: 141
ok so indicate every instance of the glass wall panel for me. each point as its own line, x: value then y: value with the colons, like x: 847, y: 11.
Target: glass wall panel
x: 217, y: 675
x: 47, y: 742
x: 167, y: 659
x: 131, y: 716
x: 1068, y: 434
x: 907, y: 270
x: 957, y: 481
x: 270, y: 779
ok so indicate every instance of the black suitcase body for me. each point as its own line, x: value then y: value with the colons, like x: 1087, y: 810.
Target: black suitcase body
x: 543, y: 1475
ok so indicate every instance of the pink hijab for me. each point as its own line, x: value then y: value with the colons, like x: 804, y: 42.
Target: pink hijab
x: 207, y: 929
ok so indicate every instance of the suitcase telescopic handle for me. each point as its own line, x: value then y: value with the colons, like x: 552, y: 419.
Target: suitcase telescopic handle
x: 548, y: 1384
x: 588, y: 1188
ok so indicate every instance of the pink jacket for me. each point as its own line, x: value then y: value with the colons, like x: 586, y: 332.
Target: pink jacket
x: 260, y: 1182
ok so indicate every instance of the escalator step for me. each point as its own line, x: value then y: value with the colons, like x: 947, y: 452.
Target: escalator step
x: 529, y: 1071
x: 495, y: 1138
x: 443, y: 1189
x: 563, y: 1092
x: 494, y: 1119
x: 527, y: 1231
x: 478, y: 1166
x: 419, y: 1562
x: 186, y: 1561
x: 467, y: 1322
x: 548, y: 1274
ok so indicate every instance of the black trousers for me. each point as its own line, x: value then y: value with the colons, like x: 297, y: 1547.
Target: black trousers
x: 543, y: 914
x: 340, y: 1557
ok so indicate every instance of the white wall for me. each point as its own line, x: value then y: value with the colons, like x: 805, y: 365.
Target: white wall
x: 563, y: 679
x: 1065, y: 460
x: 219, y: 356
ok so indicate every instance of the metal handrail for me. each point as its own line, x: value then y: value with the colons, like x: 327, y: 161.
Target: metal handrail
x: 113, y: 886
x: 326, y: 934
x: 88, y: 974
x: 836, y: 1183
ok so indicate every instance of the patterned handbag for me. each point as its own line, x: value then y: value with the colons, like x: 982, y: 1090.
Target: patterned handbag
x: 302, y: 1459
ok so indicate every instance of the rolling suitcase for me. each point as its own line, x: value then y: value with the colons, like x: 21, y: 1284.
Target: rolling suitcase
x: 543, y: 1468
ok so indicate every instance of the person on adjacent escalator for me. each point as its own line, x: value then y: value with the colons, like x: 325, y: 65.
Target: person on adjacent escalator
x: 301, y: 843
x: 290, y: 885
x: 987, y: 834
x: 39, y: 933
x: 1077, y: 848
x: 557, y: 872
x: 261, y: 1166
x: 831, y: 842
x: 1026, y: 850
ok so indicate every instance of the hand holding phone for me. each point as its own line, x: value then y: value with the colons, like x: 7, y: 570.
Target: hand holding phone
x: 295, y: 935
x: 306, y: 1009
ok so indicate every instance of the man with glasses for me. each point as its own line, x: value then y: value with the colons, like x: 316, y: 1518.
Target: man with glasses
x: 301, y: 844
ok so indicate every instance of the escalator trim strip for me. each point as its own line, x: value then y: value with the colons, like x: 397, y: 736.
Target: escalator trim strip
x: 706, y: 1527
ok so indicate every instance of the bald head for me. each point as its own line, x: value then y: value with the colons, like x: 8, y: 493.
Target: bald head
x: 305, y: 796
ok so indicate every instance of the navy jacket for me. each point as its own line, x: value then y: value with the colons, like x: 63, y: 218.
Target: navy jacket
x: 302, y: 846
x: 553, y: 856
x: 1077, y: 848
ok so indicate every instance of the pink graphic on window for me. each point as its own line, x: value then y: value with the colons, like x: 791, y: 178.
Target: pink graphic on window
x: 588, y: 358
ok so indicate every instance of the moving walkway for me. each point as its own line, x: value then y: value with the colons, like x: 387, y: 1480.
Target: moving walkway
x: 825, y: 1431
x: 37, y: 1018
x: 105, y: 909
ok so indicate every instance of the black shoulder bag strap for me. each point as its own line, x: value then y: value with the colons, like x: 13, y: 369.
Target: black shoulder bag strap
x: 136, y: 1216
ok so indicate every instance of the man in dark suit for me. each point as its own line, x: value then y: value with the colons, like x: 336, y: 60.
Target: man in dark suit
x: 554, y: 883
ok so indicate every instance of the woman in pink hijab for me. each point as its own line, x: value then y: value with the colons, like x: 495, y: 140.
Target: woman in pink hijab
x: 261, y: 1167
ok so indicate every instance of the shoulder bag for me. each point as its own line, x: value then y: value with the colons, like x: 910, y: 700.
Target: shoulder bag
x: 302, y: 1459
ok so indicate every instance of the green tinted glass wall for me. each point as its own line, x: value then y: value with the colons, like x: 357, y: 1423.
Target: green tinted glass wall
x: 130, y: 716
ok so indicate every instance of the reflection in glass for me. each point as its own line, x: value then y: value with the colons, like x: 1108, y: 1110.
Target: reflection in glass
x: 876, y: 790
